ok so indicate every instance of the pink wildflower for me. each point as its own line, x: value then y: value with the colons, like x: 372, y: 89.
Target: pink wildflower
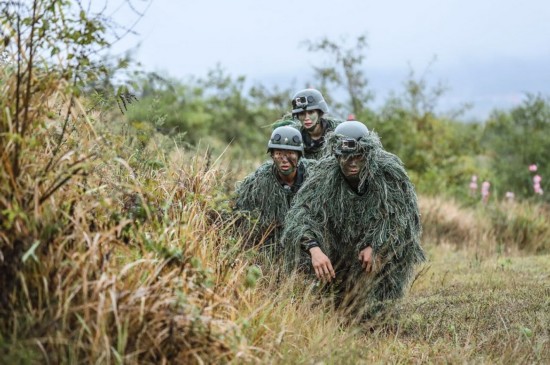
x: 485, y: 191
x: 536, y: 184
x: 533, y: 167
x: 473, y: 185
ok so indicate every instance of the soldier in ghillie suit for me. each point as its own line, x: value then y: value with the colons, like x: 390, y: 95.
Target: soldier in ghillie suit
x: 310, y: 108
x: 356, y: 223
x: 268, y: 192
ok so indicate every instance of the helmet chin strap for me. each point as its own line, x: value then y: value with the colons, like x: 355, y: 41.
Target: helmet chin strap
x: 313, y: 126
x: 289, y: 171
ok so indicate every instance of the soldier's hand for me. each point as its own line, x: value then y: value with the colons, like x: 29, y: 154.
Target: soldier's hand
x: 365, y: 256
x: 321, y: 264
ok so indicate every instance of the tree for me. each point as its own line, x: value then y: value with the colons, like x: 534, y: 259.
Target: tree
x: 516, y: 139
x: 438, y: 151
x: 344, y: 71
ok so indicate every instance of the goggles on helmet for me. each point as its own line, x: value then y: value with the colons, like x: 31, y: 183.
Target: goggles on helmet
x: 347, y: 146
x: 302, y: 101
x: 286, y: 138
x: 278, y: 139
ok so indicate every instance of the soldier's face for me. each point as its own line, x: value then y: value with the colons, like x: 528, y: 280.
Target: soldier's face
x: 351, y: 165
x: 309, y: 119
x: 285, y: 160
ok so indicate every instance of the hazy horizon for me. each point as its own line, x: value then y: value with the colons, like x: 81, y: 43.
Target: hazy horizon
x: 488, y: 54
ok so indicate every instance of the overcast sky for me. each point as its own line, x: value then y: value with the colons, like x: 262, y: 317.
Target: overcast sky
x: 489, y: 52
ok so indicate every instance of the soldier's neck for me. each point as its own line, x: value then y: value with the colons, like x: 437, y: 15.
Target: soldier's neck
x: 317, y: 132
x: 354, y: 185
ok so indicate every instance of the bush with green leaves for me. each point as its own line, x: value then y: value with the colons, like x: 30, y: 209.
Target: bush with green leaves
x: 516, y: 139
x: 212, y: 112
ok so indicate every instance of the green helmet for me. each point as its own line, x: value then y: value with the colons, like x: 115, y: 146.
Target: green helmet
x: 286, y: 138
x: 308, y: 99
x: 349, y: 134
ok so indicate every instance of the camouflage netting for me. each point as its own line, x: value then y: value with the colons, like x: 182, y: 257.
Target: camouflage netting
x: 262, y: 196
x: 384, y: 215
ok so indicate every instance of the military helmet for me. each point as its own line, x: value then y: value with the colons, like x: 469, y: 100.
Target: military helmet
x: 286, y: 138
x: 349, y: 133
x: 308, y: 99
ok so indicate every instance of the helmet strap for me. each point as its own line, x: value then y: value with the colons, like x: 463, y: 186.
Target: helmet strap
x: 312, y: 128
x: 288, y: 172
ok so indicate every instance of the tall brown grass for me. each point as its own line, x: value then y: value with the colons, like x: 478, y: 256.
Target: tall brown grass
x: 496, y: 227
x: 105, y: 257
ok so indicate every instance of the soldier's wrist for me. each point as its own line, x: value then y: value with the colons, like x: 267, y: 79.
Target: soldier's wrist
x: 364, y: 247
x: 308, y: 245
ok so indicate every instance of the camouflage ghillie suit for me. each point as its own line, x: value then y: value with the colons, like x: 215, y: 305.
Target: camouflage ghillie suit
x: 268, y: 199
x: 382, y: 213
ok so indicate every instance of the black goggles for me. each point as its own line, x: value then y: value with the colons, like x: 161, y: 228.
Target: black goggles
x: 278, y: 139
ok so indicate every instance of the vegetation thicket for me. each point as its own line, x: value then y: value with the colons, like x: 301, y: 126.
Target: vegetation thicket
x: 117, y: 242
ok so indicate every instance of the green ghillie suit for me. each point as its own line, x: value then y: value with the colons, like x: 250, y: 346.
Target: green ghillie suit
x: 267, y: 199
x: 382, y: 213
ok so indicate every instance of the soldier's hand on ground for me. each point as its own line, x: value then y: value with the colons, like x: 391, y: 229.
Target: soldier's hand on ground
x: 321, y: 264
x: 365, y: 256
